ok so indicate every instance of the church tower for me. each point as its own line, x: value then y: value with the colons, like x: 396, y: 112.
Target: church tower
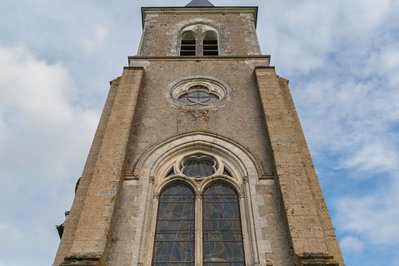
x: 199, y: 157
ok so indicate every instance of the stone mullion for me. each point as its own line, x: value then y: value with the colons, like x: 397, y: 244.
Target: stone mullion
x: 198, y: 230
x: 93, y: 229
x: 199, y: 36
x: 292, y: 169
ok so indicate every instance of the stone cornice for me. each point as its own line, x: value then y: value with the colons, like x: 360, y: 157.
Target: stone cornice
x: 201, y: 10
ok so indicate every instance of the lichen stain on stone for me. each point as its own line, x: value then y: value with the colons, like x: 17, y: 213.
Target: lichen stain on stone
x: 199, y: 115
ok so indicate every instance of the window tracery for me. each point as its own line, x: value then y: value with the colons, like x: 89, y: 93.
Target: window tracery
x: 198, y: 92
x: 235, y: 167
x: 217, y: 207
x: 199, y: 166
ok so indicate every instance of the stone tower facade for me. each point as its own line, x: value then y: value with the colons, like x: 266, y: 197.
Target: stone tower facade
x: 199, y: 157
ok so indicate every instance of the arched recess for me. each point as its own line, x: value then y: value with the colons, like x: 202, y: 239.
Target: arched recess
x: 159, y: 165
x: 199, y: 39
x: 199, y: 26
x: 210, y: 43
x: 151, y: 162
x: 188, y: 43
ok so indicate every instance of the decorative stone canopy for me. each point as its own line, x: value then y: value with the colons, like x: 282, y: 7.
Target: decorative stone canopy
x: 200, y: 3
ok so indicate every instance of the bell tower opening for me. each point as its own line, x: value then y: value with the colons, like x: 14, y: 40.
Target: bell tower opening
x: 188, y: 43
x: 210, y: 43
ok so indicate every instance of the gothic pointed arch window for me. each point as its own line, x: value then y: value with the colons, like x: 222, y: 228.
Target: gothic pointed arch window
x: 222, y: 234
x: 174, y: 235
x: 198, y: 230
x: 216, y: 175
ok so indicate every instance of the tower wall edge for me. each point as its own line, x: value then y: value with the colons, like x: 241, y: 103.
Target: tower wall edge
x: 87, y: 227
x: 310, y: 227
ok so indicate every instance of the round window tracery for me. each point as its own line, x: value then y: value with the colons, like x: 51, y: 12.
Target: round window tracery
x: 198, y: 94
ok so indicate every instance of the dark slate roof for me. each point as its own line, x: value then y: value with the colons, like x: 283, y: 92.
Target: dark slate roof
x: 200, y: 3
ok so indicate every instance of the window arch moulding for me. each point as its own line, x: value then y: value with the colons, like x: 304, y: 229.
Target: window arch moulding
x: 161, y: 165
x: 238, y: 159
x: 199, y: 40
x: 194, y: 24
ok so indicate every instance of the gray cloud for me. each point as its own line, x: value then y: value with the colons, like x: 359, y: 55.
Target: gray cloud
x: 44, y: 139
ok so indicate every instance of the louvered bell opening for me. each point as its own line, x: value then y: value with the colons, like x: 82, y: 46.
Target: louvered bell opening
x: 187, y: 47
x: 211, y: 47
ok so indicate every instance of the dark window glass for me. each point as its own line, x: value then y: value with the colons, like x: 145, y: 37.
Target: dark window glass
x: 199, y: 166
x: 174, y: 235
x: 222, y: 235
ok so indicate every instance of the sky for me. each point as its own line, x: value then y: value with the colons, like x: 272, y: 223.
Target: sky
x: 342, y: 60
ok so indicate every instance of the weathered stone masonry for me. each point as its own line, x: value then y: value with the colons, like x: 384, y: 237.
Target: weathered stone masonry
x: 255, y: 130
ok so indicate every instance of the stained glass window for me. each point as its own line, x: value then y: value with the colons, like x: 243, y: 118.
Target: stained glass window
x: 222, y: 235
x: 199, y: 166
x: 174, y: 235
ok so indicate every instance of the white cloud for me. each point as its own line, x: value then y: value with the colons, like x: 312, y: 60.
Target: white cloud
x: 10, y: 233
x: 303, y: 36
x: 30, y: 88
x: 96, y: 38
x: 363, y: 16
x: 44, y: 140
x: 351, y: 117
x: 342, y: 60
x: 374, y: 217
x: 388, y: 62
x: 38, y: 115
x: 377, y: 156
x: 352, y: 244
